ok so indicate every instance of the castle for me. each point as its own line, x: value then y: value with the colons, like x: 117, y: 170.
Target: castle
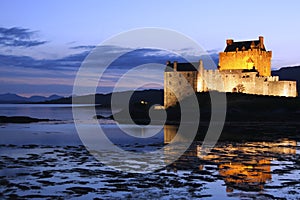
x: 244, y: 67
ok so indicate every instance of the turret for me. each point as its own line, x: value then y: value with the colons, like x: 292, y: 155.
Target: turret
x: 252, y: 46
x: 201, y: 68
x: 229, y: 41
x: 261, y: 42
x: 175, y: 65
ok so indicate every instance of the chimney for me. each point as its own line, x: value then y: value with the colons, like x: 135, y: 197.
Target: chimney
x: 261, y: 42
x: 168, y: 63
x: 252, y: 45
x: 200, y: 63
x: 175, y: 65
x: 201, y: 68
x: 229, y: 41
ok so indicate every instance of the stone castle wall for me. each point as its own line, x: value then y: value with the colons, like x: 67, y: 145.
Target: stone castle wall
x: 245, y: 82
x: 281, y: 88
x: 261, y: 60
x: 178, y: 85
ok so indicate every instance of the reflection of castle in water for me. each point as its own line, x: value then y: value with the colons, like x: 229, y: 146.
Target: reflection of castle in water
x: 246, y: 175
x: 244, y: 166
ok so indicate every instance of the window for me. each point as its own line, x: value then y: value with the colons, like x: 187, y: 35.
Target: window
x: 179, y: 82
x: 170, y: 75
x: 188, y: 74
x: 170, y: 83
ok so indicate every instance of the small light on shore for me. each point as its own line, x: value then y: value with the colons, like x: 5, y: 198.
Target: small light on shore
x: 144, y: 102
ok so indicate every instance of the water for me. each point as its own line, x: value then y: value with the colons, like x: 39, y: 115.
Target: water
x: 48, y: 159
x: 50, y: 111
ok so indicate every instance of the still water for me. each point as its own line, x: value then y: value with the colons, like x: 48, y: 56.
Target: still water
x: 48, y: 160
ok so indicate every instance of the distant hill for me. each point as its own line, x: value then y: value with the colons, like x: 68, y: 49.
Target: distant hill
x: 150, y: 96
x: 42, y: 98
x: 289, y: 73
x: 14, y: 98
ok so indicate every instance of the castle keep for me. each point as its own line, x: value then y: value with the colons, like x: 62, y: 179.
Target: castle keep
x: 246, y: 55
x: 244, y: 67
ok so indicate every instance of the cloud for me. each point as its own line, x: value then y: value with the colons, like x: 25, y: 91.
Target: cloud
x: 27, y: 72
x: 19, y: 37
x: 71, y: 62
x: 126, y: 61
x: 87, y: 47
x: 214, y: 51
x: 141, y: 56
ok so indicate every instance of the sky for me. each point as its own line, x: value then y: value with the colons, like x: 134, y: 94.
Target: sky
x: 43, y: 43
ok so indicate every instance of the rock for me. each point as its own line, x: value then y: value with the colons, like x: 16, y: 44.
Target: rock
x: 20, y: 119
x: 103, y: 117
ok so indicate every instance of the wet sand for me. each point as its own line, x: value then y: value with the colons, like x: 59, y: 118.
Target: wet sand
x: 263, y: 171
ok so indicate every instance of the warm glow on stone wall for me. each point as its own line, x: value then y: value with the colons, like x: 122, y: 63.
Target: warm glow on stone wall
x: 242, y: 60
x: 244, y: 67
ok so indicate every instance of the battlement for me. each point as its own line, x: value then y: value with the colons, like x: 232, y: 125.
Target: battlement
x: 175, y: 66
x: 232, y: 46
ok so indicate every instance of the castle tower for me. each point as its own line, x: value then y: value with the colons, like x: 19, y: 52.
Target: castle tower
x: 244, y: 55
x: 180, y: 81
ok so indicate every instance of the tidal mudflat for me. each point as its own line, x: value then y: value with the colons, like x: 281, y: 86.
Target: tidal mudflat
x: 47, y: 160
x: 240, y: 170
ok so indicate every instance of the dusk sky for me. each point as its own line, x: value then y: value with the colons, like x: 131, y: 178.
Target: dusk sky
x: 42, y: 43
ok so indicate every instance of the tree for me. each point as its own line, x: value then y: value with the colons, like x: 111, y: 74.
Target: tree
x: 240, y: 88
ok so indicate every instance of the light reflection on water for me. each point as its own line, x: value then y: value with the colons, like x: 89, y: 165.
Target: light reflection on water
x: 235, y: 168
x: 244, y: 166
x: 49, y: 111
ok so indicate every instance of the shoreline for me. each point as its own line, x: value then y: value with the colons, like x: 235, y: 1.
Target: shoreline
x: 21, y: 119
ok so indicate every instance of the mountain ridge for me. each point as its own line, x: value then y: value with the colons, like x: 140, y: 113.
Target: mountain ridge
x: 15, y: 98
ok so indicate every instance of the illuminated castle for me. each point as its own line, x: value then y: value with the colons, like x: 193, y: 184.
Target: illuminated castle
x: 244, y: 67
x: 246, y: 55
